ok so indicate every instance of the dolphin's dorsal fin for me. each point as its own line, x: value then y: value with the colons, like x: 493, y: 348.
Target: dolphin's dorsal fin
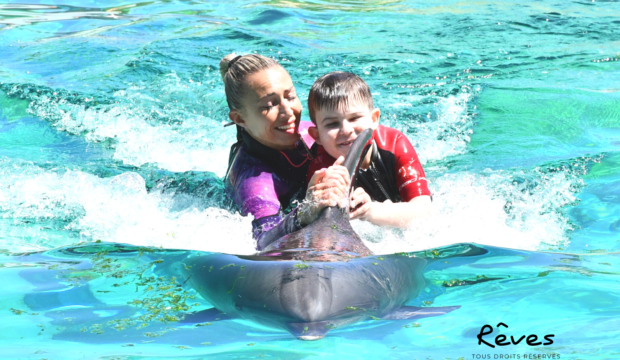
x: 356, y: 154
x: 352, y: 162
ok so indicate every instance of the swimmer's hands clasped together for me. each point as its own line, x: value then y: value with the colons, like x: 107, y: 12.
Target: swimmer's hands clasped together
x: 328, y: 187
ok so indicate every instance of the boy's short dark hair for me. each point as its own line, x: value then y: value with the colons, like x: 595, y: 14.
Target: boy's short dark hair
x: 337, y: 90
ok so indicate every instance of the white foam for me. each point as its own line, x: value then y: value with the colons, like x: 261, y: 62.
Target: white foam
x: 117, y: 209
x: 449, y: 133
x: 471, y: 208
x: 186, y: 139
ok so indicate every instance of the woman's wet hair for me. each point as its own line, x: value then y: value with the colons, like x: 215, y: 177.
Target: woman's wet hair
x: 235, y: 68
x: 336, y: 91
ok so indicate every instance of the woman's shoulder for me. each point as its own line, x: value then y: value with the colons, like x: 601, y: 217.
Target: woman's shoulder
x: 246, y: 167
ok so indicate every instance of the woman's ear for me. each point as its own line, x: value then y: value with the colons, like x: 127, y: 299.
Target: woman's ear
x: 375, y: 115
x: 235, y: 116
x: 314, y: 133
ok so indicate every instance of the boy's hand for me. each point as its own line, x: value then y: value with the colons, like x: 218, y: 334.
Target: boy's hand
x: 328, y: 187
x: 360, y: 205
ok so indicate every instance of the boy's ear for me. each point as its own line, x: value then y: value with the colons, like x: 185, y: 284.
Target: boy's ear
x: 314, y: 133
x: 235, y: 116
x: 375, y: 115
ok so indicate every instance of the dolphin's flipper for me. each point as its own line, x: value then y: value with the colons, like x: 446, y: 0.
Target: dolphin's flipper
x: 211, y: 314
x: 412, y: 312
x: 310, y: 330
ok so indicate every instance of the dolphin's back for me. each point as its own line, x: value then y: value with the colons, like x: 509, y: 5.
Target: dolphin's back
x: 329, y: 238
x: 295, y: 295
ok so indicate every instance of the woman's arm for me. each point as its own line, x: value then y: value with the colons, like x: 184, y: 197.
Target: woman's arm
x: 270, y: 228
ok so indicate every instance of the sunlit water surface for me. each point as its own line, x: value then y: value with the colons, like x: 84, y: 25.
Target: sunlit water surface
x: 111, y: 119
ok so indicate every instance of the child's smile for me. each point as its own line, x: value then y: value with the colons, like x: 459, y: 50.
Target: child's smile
x: 347, y: 144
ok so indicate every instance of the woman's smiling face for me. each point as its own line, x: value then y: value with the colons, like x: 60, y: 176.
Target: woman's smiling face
x: 271, y: 109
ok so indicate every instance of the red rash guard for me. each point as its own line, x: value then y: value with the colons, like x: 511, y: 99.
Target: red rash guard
x: 395, y: 173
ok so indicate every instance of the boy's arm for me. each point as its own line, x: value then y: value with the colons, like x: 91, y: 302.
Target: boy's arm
x: 322, y: 160
x: 388, y: 213
x: 412, y: 185
x: 400, y: 214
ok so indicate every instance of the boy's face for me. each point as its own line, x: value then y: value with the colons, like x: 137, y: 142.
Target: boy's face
x: 337, y: 129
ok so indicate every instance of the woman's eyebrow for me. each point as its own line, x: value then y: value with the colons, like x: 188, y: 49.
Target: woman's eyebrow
x: 268, y: 95
x: 273, y: 93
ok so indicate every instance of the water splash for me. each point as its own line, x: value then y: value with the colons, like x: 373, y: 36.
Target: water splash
x: 437, y: 126
x: 26, y: 14
x: 520, y: 210
x: 170, y: 129
x: 85, y: 207
x: 450, y: 134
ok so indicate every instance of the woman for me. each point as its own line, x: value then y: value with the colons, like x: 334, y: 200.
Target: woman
x: 268, y: 164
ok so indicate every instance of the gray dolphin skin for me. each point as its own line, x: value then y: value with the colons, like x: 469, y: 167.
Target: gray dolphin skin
x: 314, y: 280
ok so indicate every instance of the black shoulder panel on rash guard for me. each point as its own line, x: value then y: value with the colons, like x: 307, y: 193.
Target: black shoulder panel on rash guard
x: 378, y: 180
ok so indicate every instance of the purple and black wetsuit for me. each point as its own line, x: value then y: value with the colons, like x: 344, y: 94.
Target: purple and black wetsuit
x: 266, y: 182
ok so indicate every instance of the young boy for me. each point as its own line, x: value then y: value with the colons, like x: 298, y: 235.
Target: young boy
x: 390, y: 187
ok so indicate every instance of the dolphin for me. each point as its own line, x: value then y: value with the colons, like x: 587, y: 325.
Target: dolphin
x: 314, y: 280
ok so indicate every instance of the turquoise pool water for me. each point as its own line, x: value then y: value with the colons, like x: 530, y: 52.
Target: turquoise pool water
x: 111, y: 119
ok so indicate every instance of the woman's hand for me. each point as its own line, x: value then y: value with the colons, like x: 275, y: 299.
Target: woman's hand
x: 360, y: 205
x: 328, y: 187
